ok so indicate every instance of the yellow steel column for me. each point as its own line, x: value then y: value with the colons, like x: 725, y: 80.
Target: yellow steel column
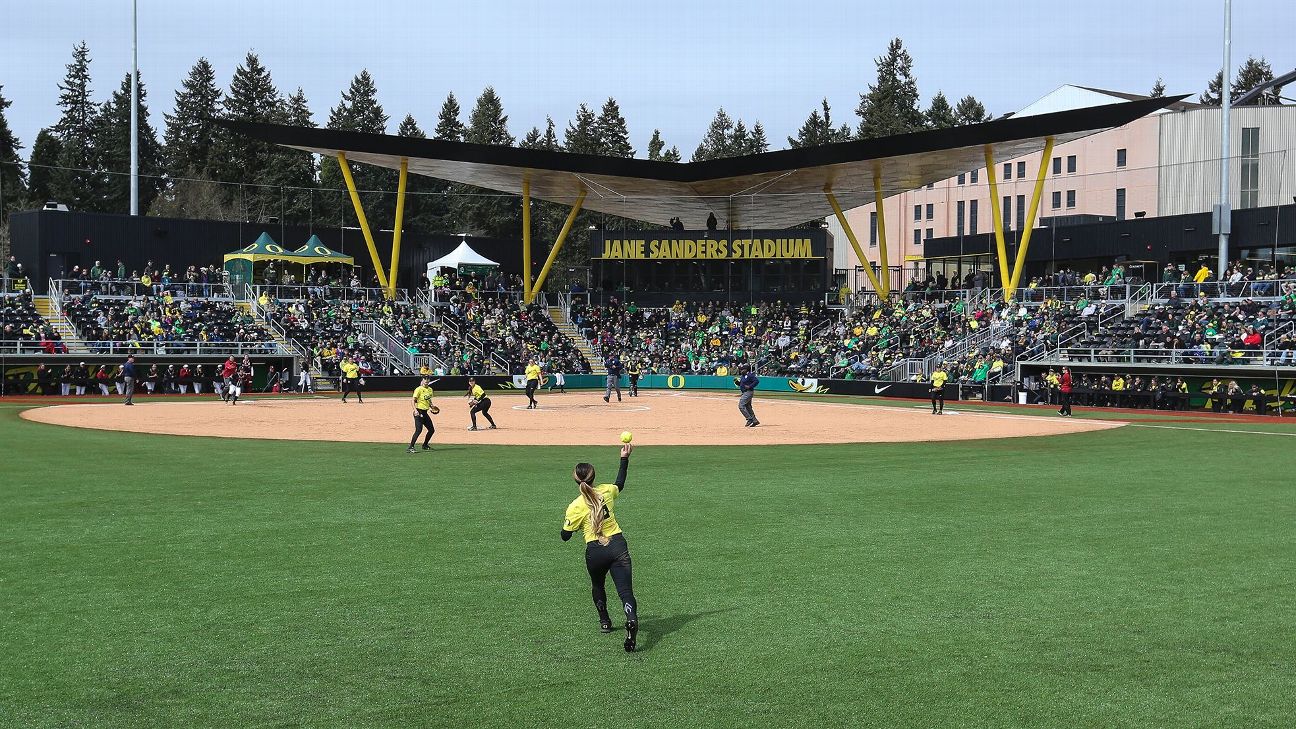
x: 996, y: 215
x: 883, y: 263
x: 557, y: 246
x: 850, y: 235
x: 364, y: 222
x: 400, y: 221
x: 1020, y: 263
x: 526, y: 240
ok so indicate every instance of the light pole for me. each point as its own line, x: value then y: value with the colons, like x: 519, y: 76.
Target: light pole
x: 134, y: 119
x: 1224, y: 216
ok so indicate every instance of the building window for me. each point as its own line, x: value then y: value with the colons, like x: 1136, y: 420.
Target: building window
x: 1071, y: 164
x: 1120, y: 158
x: 929, y: 233
x: 917, y: 236
x: 975, y: 174
x: 1007, y: 170
x: 1250, y: 167
x: 872, y: 230
x: 1021, y: 212
x: 931, y: 211
x: 1070, y: 199
x: 1007, y: 210
x: 962, y: 178
x: 1057, y: 165
x: 917, y: 212
x: 1021, y: 170
x: 1057, y: 199
x: 958, y: 218
x: 972, y: 217
x: 1120, y: 203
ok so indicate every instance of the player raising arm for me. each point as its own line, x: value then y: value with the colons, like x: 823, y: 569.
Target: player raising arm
x: 605, y: 546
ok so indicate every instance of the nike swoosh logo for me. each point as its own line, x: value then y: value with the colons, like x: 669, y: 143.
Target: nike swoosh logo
x: 877, y: 389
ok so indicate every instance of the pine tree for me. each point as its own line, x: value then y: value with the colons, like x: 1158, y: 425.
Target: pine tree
x: 672, y: 155
x: 550, y: 139
x: 738, y: 140
x: 818, y: 130
x: 940, y: 115
x: 891, y: 105
x: 757, y: 142
x: 74, y: 184
x: 449, y: 128
x: 13, y: 179
x: 295, y: 171
x: 45, y: 154
x: 113, y: 143
x: 970, y: 111
x: 1211, y: 96
x: 715, y: 143
x: 1158, y: 89
x: 1252, y: 73
x: 246, y: 164
x: 190, y: 128
x: 582, y: 135
x: 613, y: 134
x: 359, y: 111
x: 441, y: 204
x: 483, y: 211
x: 655, y: 146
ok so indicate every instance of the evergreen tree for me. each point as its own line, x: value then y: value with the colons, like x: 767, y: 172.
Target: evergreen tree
x: 891, y: 105
x: 74, y: 184
x: 1211, y: 96
x: 421, y: 212
x: 441, y: 204
x: 359, y: 111
x: 13, y: 179
x: 672, y: 155
x: 295, y: 171
x: 45, y: 154
x: 655, y: 146
x: 940, y: 115
x: 1158, y: 89
x: 1254, y: 72
x: 738, y: 140
x: 113, y: 143
x: 614, y: 136
x: 485, y: 212
x: 449, y: 128
x: 244, y: 163
x: 970, y: 111
x: 190, y: 128
x: 582, y: 135
x: 818, y: 130
x: 715, y: 143
x: 757, y: 142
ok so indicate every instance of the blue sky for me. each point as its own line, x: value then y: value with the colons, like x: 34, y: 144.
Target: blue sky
x: 669, y: 63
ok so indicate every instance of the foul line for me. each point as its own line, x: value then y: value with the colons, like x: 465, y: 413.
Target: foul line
x: 1212, y: 430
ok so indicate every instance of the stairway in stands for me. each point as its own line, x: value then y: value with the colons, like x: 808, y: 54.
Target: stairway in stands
x: 46, y: 309
x: 320, y: 381
x: 569, y: 330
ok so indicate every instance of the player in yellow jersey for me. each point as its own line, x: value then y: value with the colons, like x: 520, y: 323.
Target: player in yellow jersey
x: 605, y: 546
x: 532, y: 384
x: 938, y: 379
x: 423, y: 412
x: 350, y: 379
x: 479, y: 403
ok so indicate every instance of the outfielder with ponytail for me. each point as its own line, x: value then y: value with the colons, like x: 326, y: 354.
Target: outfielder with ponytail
x: 605, y: 546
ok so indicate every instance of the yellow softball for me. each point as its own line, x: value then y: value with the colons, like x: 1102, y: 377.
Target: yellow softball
x: 626, y: 436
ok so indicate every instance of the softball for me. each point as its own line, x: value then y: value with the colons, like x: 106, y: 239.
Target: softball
x: 626, y: 436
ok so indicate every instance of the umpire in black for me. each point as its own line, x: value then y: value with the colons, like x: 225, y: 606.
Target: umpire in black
x: 128, y: 379
x: 747, y: 390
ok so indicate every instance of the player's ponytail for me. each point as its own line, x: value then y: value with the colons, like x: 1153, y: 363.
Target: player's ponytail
x: 584, y: 476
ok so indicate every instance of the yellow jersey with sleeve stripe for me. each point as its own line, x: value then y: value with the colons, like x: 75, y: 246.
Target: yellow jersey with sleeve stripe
x: 477, y: 392
x: 533, y: 372
x: 578, y: 514
x: 350, y: 370
x: 938, y: 378
x: 422, y: 397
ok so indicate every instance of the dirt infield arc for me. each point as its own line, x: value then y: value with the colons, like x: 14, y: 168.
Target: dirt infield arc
x: 566, y: 419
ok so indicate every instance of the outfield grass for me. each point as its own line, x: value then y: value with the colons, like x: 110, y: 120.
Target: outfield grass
x: 1136, y: 577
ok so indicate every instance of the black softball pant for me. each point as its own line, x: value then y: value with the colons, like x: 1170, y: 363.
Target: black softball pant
x: 422, y: 421
x: 482, y: 407
x: 531, y: 387
x: 614, y: 558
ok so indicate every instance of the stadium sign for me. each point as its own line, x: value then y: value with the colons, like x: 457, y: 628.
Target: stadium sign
x: 662, y: 245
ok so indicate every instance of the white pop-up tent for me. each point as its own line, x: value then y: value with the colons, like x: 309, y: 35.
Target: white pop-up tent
x: 464, y: 255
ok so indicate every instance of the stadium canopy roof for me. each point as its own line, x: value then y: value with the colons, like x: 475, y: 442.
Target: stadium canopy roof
x: 320, y: 253
x: 769, y: 190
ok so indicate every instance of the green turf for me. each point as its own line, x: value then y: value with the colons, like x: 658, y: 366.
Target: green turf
x: 1137, y: 577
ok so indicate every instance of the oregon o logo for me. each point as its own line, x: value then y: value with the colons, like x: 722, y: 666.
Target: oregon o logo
x: 675, y: 382
x: 321, y: 251
x: 274, y: 249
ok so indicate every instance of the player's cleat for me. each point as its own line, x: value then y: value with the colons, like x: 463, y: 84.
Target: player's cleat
x: 426, y: 447
x: 491, y: 428
x: 410, y: 449
x: 472, y: 427
x: 605, y: 399
x: 605, y: 626
x: 755, y: 423
x: 632, y: 635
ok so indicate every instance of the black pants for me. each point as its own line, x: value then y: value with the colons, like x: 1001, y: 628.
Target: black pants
x: 614, y: 558
x: 352, y: 385
x: 938, y: 396
x: 483, y: 407
x: 1066, y: 404
x: 531, y: 387
x: 422, y: 421
x: 634, y: 385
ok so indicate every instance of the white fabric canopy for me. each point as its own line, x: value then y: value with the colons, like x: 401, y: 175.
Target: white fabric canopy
x: 461, y: 256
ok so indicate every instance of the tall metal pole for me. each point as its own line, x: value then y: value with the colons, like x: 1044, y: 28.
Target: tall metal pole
x: 1226, y: 103
x: 134, y: 130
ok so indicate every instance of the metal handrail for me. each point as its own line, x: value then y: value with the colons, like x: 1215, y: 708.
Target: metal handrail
x: 300, y: 350
x: 1173, y: 356
x: 158, y: 347
x: 133, y: 288
x: 1264, y: 289
x: 302, y: 292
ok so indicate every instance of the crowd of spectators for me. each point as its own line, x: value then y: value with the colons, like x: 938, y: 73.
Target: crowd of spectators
x: 163, y: 318
x: 492, y: 284
x: 516, y: 333
x: 23, y: 329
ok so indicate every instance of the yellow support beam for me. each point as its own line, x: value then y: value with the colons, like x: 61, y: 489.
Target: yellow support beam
x: 883, y: 263
x: 400, y: 222
x: 850, y: 235
x: 996, y: 215
x: 526, y: 240
x: 364, y: 222
x: 558, y: 244
x: 1020, y: 263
